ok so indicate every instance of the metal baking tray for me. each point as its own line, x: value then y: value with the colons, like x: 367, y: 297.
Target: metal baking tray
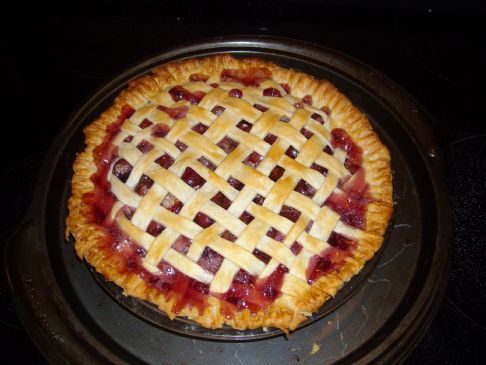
x: 75, y: 317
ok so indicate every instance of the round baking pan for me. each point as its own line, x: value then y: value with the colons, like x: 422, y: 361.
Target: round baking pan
x: 75, y: 317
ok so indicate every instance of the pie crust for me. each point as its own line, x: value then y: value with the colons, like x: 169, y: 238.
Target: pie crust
x: 346, y: 193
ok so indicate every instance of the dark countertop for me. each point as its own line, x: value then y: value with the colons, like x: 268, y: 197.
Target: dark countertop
x: 436, y: 52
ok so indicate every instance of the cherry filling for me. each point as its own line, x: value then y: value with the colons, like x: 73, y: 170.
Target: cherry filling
x: 227, y: 144
x: 192, y: 178
x: 253, y: 160
x: 160, y: 130
x: 291, y: 152
x: 290, y: 213
x: 237, y: 184
x: 182, y: 244
x: 319, y: 168
x: 221, y: 200
x: 275, y: 234
x: 306, y: 133
x: 284, y: 119
x: 332, y: 258
x: 154, y: 228
x: 145, y: 146
x: 260, y: 107
x: 227, y: 235
x: 200, y: 128
x: 235, y: 93
x: 244, y: 125
x: 340, y: 139
x: 304, y: 188
x: 122, y: 169
x: 271, y: 287
x: 181, y: 146
x: 176, y: 112
x: 307, y: 99
x: 180, y: 93
x: 218, y: 110
x: 296, y: 247
x: 203, y: 220
x: 171, y: 203
x: 210, y: 260
x: 276, y: 173
x: 246, y: 217
x: 286, y: 87
x: 270, y: 138
x: 207, y: 163
x: 262, y: 256
x: 250, y: 77
x: 352, y: 200
x: 145, y: 123
x: 165, y: 161
x: 271, y: 91
x: 101, y: 199
x: 143, y: 185
x: 318, y: 118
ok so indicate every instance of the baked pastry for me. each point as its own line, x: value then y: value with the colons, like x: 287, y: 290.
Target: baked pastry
x: 231, y: 192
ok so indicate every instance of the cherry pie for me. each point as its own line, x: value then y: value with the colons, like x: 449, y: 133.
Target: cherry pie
x: 231, y: 192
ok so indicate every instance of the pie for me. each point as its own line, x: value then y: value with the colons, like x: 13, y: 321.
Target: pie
x: 231, y: 192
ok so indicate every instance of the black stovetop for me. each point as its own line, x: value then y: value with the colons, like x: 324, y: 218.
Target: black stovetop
x: 435, y: 51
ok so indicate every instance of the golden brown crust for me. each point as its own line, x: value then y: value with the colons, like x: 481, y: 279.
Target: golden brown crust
x: 282, y: 313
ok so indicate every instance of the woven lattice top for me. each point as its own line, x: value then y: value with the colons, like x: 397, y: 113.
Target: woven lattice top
x: 216, y: 178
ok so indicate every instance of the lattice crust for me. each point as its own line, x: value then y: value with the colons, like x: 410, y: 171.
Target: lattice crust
x: 194, y: 157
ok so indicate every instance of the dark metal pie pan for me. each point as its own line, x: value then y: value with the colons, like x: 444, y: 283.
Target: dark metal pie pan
x: 76, y: 317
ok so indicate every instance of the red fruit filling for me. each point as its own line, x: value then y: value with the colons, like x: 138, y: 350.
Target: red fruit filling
x: 221, y: 200
x: 145, y: 123
x: 180, y: 93
x: 271, y: 91
x: 244, y: 125
x: 306, y: 133
x: 154, y: 228
x: 326, y: 110
x: 296, y: 247
x: 122, y: 169
x: 260, y: 107
x: 235, y: 93
x: 227, y: 235
x: 275, y: 234
x: 171, y: 203
x: 304, y: 188
x: 307, y: 99
x: 258, y: 199
x: 145, y: 146
x: 284, y: 119
x: 340, y: 139
x: 276, y: 173
x: 331, y: 259
x: 128, y: 139
x: 207, y: 163
x: 192, y: 178
x: 286, y: 87
x: 203, y: 220
x: 253, y: 160
x: 218, y: 110
x: 182, y: 244
x: 328, y: 150
x: 319, y: 168
x: 246, y: 217
x: 318, y: 118
x: 270, y: 138
x: 250, y: 77
x: 176, y: 112
x: 210, y: 260
x: 165, y: 161
x: 200, y: 128
x: 237, y: 184
x: 290, y: 213
x: 262, y: 256
x: 160, y: 130
x: 291, y: 152
x: 227, y: 144
x: 181, y: 146
x: 143, y: 185
x: 352, y: 201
